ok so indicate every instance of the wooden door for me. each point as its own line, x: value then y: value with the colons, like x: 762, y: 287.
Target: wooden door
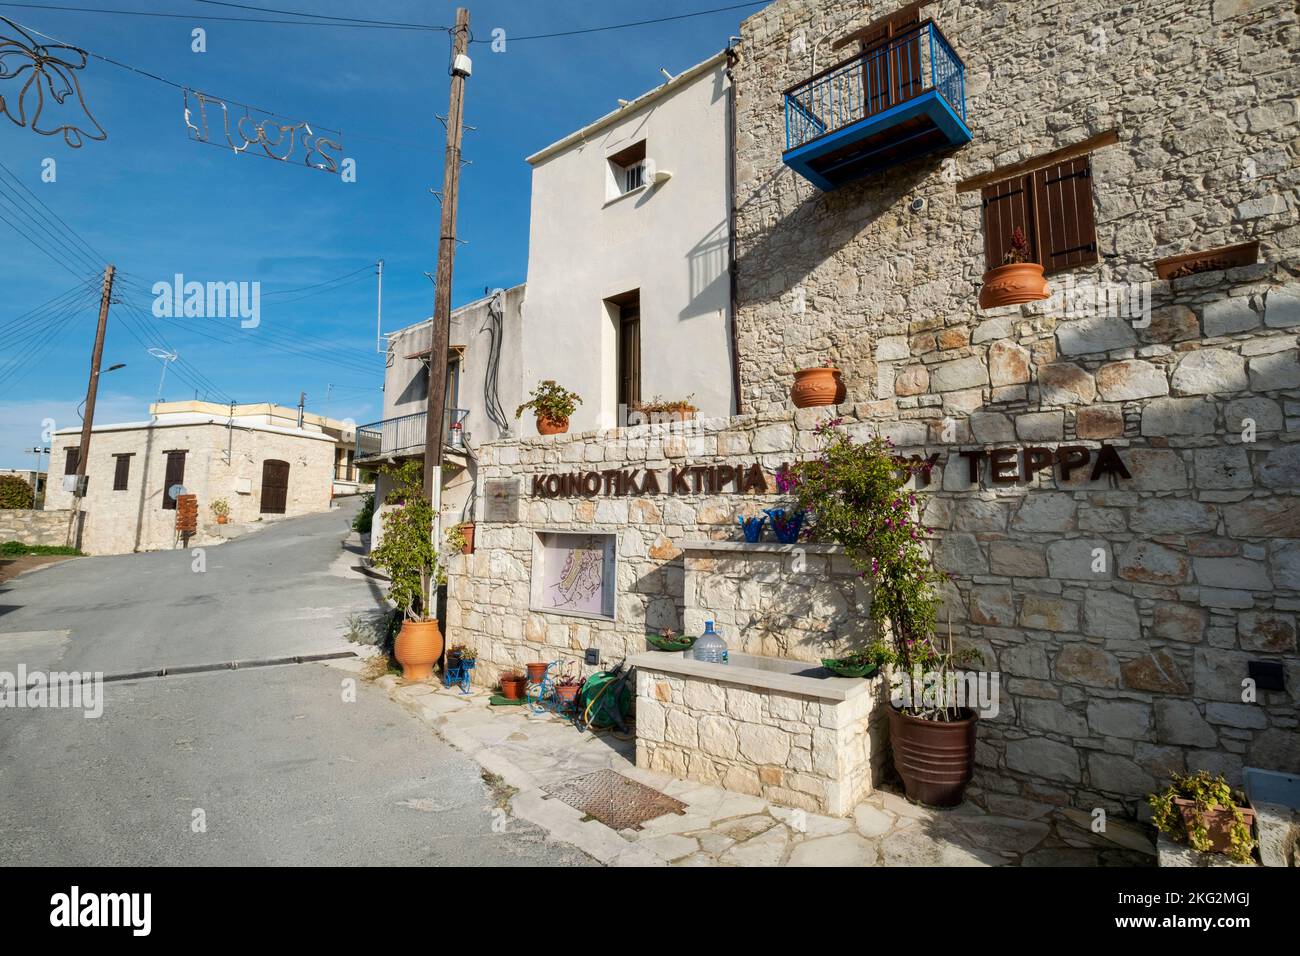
x: 275, y: 486
x: 173, y: 475
x: 891, y: 64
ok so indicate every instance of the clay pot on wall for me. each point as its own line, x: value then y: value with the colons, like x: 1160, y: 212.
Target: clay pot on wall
x: 548, y: 426
x: 417, y: 649
x: 222, y: 519
x: 934, y: 758
x: 1012, y: 284
x: 467, y: 532
x: 1218, y: 822
x: 817, y: 386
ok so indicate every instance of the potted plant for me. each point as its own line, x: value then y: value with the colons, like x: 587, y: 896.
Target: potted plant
x: 855, y: 494
x: 666, y: 410
x: 1203, y: 812
x: 566, y: 690
x: 864, y: 663
x: 220, y: 509
x: 817, y: 386
x: 752, y: 527
x: 536, y: 671
x: 408, y: 556
x: 513, y: 685
x: 454, y: 655
x: 552, y: 404
x: 668, y: 640
x: 1018, y: 279
x: 460, y: 537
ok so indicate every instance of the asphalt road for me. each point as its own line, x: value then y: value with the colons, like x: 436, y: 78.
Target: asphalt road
x: 260, y: 766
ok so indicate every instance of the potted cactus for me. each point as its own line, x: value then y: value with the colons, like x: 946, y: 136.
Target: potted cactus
x: 552, y: 404
x: 1019, y: 279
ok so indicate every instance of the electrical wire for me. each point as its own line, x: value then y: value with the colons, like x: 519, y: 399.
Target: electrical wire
x: 360, y: 24
x: 94, y: 255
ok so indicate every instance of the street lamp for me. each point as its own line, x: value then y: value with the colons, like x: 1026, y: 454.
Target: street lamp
x: 112, y: 368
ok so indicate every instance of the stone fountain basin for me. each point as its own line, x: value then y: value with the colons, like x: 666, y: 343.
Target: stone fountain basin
x: 752, y: 670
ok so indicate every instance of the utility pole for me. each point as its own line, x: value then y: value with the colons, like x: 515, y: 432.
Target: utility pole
x: 92, y: 389
x: 379, y: 308
x: 441, y: 328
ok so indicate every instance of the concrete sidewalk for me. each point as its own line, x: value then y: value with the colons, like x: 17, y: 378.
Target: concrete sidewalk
x: 722, y: 828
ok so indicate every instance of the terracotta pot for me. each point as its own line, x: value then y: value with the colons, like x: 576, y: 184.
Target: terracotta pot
x: 467, y: 530
x: 567, y: 693
x: 934, y: 758
x: 513, y: 689
x: 1012, y: 284
x: 817, y: 386
x: 417, y: 649
x: 1218, y: 822
x: 549, y: 426
x: 536, y: 671
x: 222, y: 519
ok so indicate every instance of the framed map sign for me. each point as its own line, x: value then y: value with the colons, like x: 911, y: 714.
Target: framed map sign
x: 574, y: 574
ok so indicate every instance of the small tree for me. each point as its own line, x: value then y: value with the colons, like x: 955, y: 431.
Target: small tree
x: 855, y: 494
x: 14, y: 492
x: 407, y: 552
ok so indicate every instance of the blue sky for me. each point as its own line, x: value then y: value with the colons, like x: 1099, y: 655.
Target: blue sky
x: 156, y: 204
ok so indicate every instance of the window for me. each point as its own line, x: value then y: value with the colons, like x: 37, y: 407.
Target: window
x: 121, y: 472
x: 628, y: 168
x: 174, y: 475
x: 1053, y: 207
x: 71, y: 456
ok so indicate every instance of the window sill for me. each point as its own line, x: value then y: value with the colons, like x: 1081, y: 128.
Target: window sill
x: 622, y: 196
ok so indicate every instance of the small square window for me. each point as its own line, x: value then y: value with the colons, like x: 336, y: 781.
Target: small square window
x: 627, y: 169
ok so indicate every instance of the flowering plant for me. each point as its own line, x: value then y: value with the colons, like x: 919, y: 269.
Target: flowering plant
x: 855, y: 494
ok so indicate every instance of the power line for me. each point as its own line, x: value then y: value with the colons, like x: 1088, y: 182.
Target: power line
x: 359, y: 25
x: 634, y: 23
x: 30, y: 214
x: 97, y: 256
x: 347, y: 21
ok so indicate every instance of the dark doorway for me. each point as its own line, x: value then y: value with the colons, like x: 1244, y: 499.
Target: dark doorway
x: 275, y: 486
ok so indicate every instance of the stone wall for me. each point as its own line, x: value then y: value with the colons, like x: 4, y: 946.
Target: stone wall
x: 1121, y: 616
x: 801, y: 602
x: 34, y: 527
x: 797, y: 750
x: 1113, y: 677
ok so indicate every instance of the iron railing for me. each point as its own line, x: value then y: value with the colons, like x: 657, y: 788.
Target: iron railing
x: 395, y: 437
x: 875, y: 80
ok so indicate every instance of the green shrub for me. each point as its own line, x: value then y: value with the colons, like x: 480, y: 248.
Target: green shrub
x: 407, y: 552
x: 16, y: 549
x: 361, y: 524
x: 14, y: 492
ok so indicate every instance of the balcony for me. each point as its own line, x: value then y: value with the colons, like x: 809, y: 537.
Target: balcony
x: 891, y: 103
x: 403, y: 437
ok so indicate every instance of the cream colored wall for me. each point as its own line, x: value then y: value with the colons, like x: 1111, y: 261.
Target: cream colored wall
x: 134, y: 520
x: 669, y: 241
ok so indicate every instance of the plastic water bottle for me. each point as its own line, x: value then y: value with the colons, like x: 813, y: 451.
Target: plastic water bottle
x: 710, y: 646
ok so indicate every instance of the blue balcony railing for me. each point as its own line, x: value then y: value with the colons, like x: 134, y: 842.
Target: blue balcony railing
x: 894, y: 101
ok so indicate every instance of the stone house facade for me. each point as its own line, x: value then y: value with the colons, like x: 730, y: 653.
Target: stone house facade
x: 1121, y: 669
x: 1136, y: 613
x: 124, y: 504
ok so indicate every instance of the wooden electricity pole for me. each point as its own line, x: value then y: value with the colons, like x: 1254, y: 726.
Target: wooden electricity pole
x: 92, y: 389
x: 441, y: 329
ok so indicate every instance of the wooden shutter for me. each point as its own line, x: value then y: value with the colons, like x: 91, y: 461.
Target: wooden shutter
x: 173, y: 475
x: 70, y: 460
x: 1066, y: 227
x: 275, y: 486
x: 891, y: 65
x: 122, y: 472
x: 1007, y: 205
x: 629, y: 355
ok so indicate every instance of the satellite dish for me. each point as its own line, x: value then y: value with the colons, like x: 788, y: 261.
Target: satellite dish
x: 175, y: 491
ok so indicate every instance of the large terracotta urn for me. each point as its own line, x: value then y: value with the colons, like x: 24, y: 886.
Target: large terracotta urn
x: 417, y: 649
x: 934, y: 758
x: 1013, y: 284
x: 817, y: 386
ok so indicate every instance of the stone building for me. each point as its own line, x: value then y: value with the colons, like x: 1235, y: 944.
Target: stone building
x: 1141, y: 609
x: 263, y: 461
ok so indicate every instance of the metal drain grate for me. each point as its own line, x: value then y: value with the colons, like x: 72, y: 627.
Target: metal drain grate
x: 614, y: 800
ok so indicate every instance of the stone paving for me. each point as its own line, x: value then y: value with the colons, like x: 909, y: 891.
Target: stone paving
x: 720, y: 828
